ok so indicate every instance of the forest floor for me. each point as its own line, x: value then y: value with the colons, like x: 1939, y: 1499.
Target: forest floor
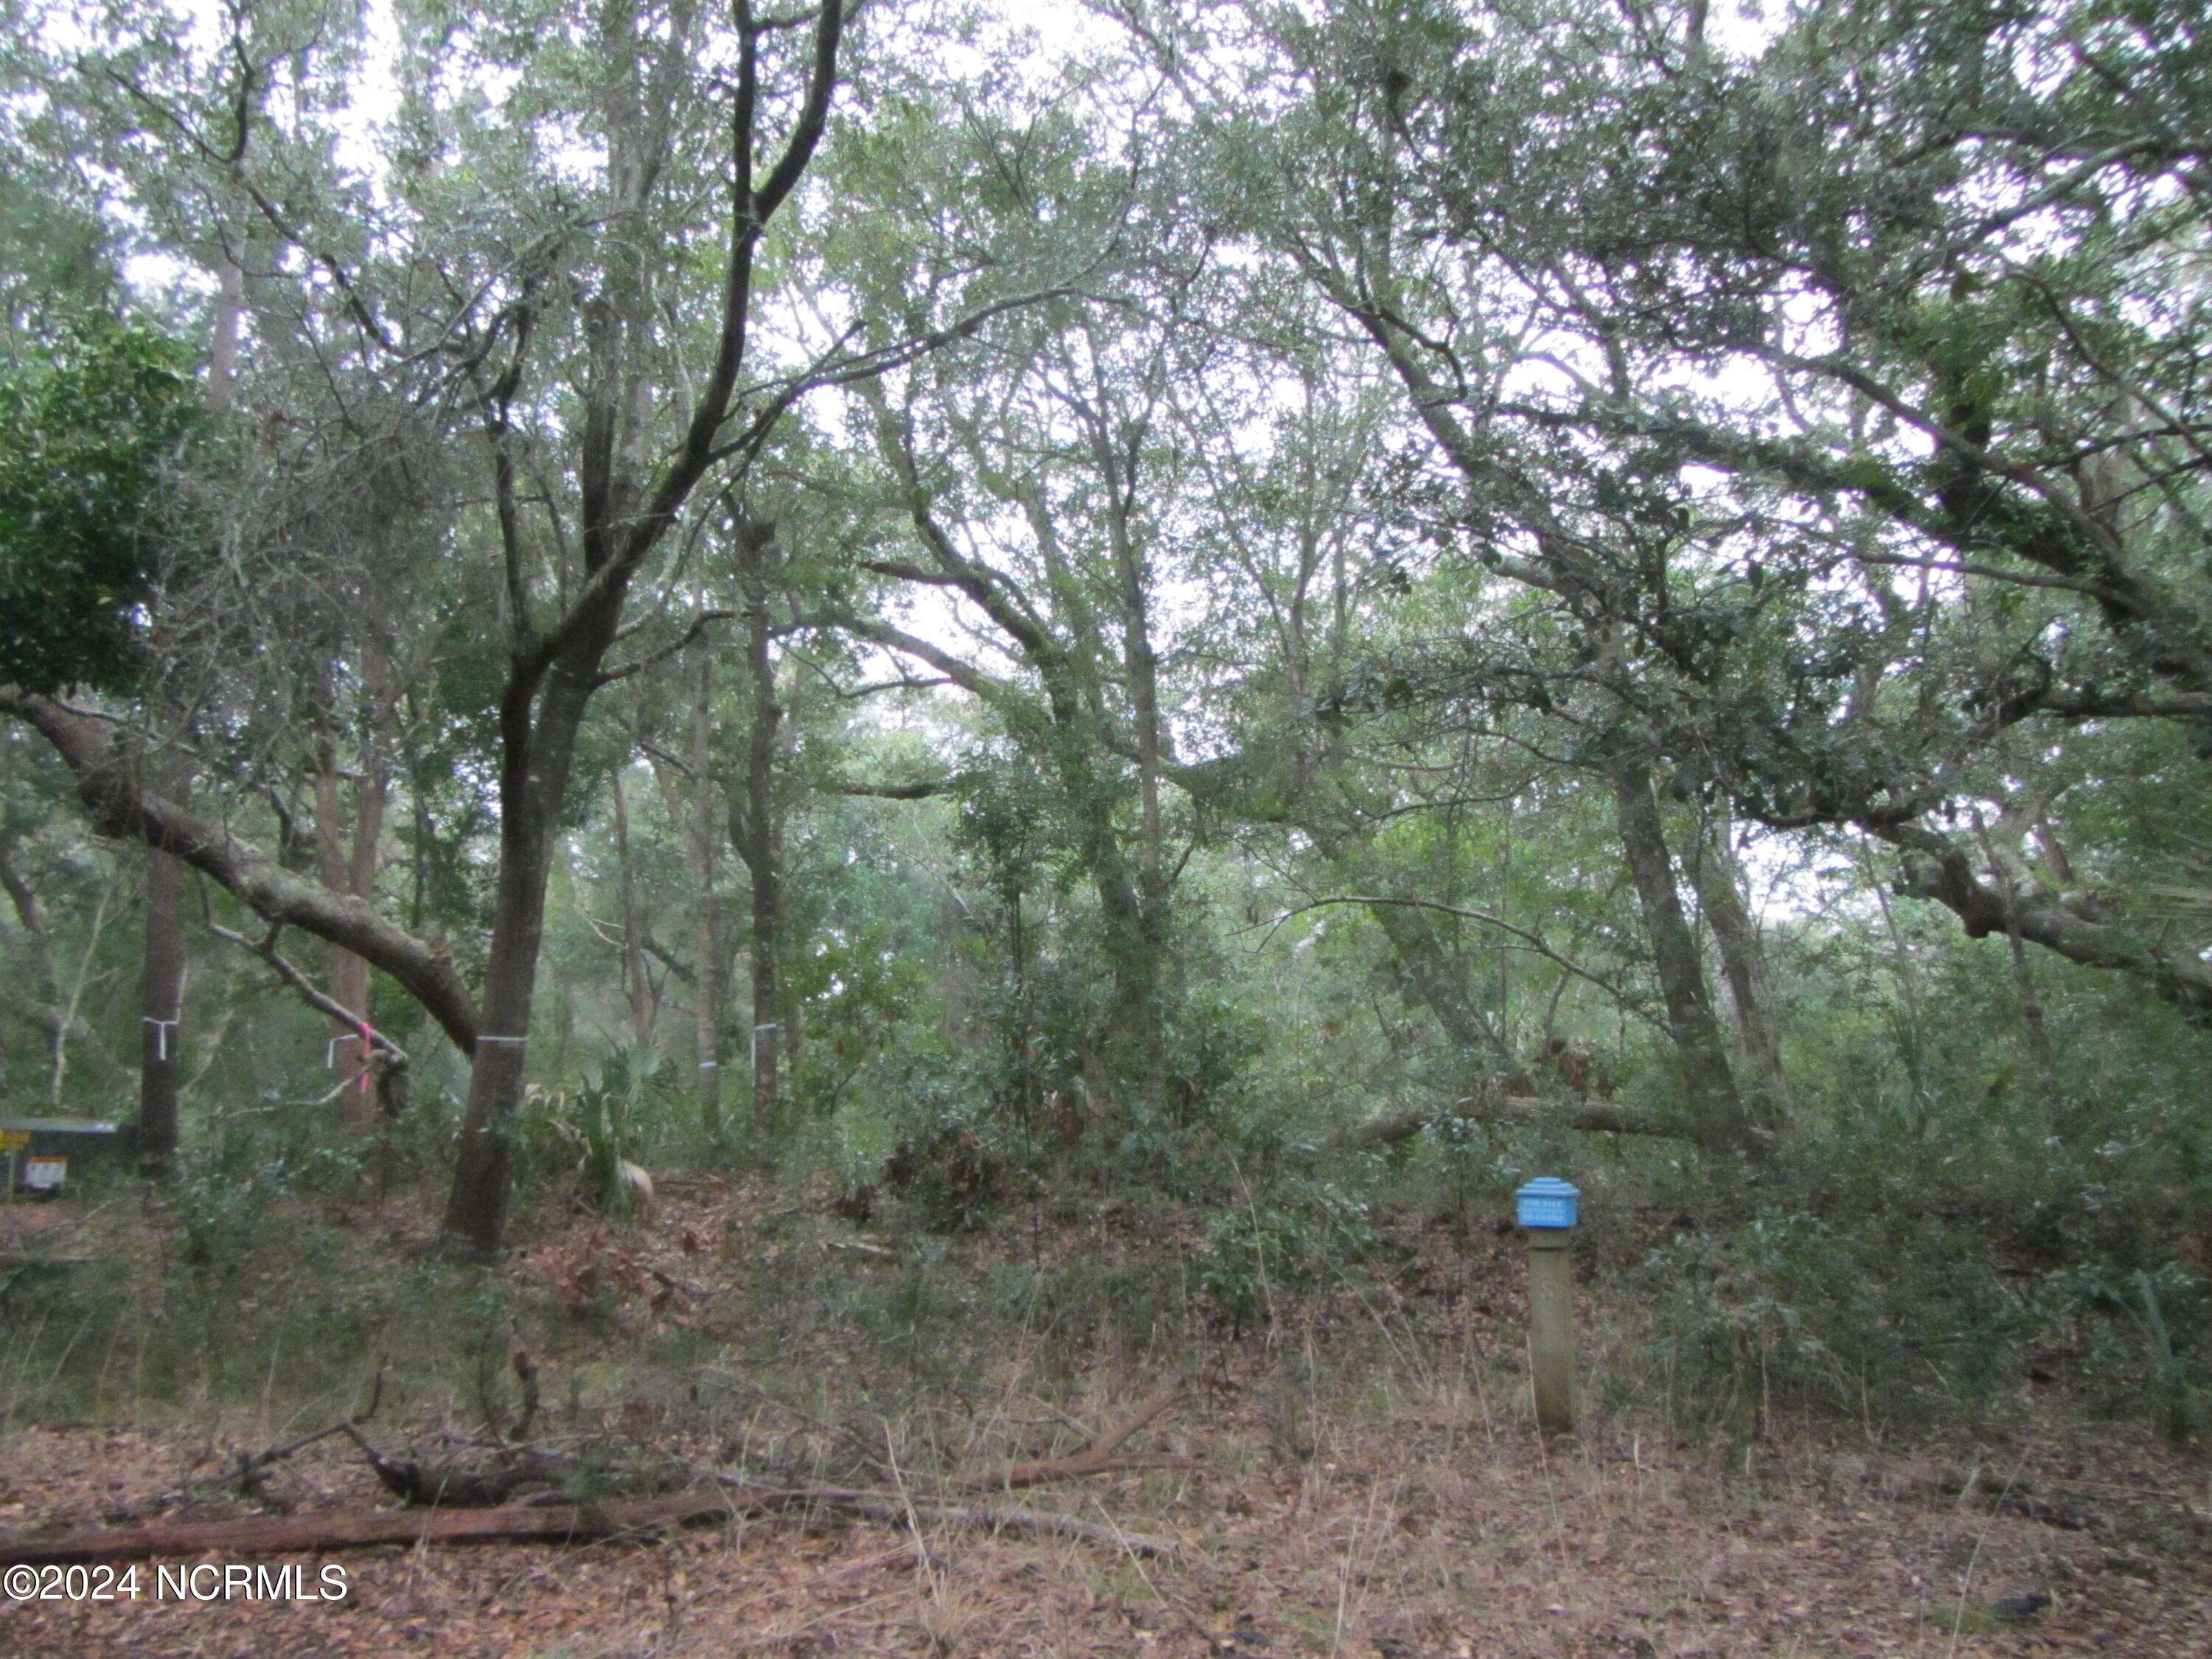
x: 1363, y: 1479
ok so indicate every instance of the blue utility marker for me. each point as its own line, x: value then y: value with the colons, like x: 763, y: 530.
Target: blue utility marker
x: 1548, y: 1201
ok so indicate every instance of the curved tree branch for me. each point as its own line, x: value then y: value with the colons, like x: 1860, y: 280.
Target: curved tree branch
x: 1937, y: 868
x: 121, y: 806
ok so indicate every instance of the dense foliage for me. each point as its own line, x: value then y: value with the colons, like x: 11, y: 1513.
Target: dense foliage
x: 1288, y: 609
x: 91, y: 432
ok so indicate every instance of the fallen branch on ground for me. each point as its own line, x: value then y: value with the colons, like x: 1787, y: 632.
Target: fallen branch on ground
x: 517, y: 1523
x: 2016, y: 1497
x: 1097, y: 1458
x: 360, y: 1528
x: 897, y: 1509
x: 432, y: 1486
x: 245, y: 1472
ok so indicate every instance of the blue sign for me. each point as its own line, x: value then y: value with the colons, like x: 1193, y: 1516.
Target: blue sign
x: 1547, y: 1201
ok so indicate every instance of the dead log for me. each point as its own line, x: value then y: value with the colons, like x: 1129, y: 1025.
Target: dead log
x: 519, y: 1523
x: 361, y: 1528
x: 1571, y: 1111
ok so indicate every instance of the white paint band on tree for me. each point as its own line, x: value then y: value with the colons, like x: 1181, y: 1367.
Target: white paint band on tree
x: 162, y: 1029
x: 752, y: 1058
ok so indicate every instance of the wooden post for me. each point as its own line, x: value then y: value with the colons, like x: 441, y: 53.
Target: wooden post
x: 13, y: 1142
x: 1552, y: 1328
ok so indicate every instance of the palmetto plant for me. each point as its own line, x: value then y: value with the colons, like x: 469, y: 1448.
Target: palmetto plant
x: 597, y: 1123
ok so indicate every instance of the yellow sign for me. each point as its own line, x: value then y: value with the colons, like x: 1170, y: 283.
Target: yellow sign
x: 14, y: 1140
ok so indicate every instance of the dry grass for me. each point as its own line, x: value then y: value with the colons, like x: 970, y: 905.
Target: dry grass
x: 1420, y: 1518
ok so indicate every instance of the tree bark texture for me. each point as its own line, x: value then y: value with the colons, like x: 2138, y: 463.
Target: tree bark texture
x: 1718, y: 877
x: 709, y: 968
x: 633, y: 930
x: 161, y: 1002
x: 763, y: 848
x: 1716, y: 1107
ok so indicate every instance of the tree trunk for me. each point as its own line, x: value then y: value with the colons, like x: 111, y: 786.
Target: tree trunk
x: 222, y: 347
x: 475, y: 1211
x: 1439, y: 981
x: 758, y: 838
x: 161, y: 1002
x: 640, y: 990
x: 1140, y: 667
x: 162, y: 979
x: 1718, y: 879
x: 352, y: 870
x: 536, y: 757
x: 1716, y: 1108
x: 706, y: 921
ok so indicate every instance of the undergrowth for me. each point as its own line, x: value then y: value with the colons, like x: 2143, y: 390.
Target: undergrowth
x: 1915, y: 1244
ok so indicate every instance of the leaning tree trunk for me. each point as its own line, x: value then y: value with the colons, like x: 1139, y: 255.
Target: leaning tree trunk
x: 1719, y: 878
x: 1716, y: 1108
x: 1429, y: 966
x: 1440, y: 982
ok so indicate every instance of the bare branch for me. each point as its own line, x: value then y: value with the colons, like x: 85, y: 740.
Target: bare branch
x: 690, y: 634
x: 309, y: 992
x: 1534, y: 941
